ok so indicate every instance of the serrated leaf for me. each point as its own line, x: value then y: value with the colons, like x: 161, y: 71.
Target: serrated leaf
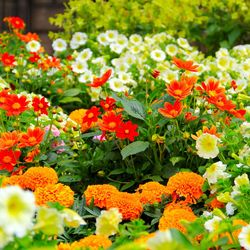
x: 70, y: 178
x: 72, y: 92
x: 134, y: 148
x: 69, y: 99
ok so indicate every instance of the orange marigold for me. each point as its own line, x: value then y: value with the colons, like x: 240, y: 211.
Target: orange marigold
x: 14, y: 180
x: 100, y: 194
x: 151, y: 192
x: 92, y: 242
x: 128, y: 205
x: 36, y: 177
x: 64, y: 246
x: 173, y: 219
x: 185, y: 184
x: 54, y: 193
x: 171, y: 206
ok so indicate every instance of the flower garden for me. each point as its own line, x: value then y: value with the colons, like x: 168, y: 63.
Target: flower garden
x: 122, y: 141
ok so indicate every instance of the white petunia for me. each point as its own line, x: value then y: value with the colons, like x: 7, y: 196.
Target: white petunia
x: 84, y: 55
x: 122, y: 40
x: 158, y: 55
x: 171, y: 49
x: 111, y: 35
x: 33, y: 46
x: 230, y: 208
x: 87, y: 76
x: 213, y: 224
x: 223, y: 63
x: 245, y: 129
x: 102, y: 39
x: 79, y: 38
x: 116, y: 48
x: 183, y: 43
x: 5, y: 238
x: 135, y: 39
x: 117, y: 85
x: 79, y: 67
x: 59, y: 45
x: 244, y: 237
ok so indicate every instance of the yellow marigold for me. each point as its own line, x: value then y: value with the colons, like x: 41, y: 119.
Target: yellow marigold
x: 64, y: 246
x: 185, y: 184
x: 173, y: 218
x: 100, y: 194
x: 54, y: 193
x: 93, y: 242
x: 36, y: 177
x: 128, y: 205
x: 151, y: 192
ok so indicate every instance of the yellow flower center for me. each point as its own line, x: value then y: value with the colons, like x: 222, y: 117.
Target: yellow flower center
x: 16, y: 105
x: 90, y: 115
x: 6, y: 159
x: 112, y: 125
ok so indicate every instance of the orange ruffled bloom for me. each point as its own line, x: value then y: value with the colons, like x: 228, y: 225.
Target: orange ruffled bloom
x: 9, y: 140
x: 36, y: 177
x: 32, y: 138
x: 99, y: 81
x: 173, y: 218
x: 186, y: 65
x: 128, y: 205
x: 14, y: 180
x: 100, y: 194
x: 186, y: 184
x: 171, y: 110
x: 151, y: 192
x: 54, y: 193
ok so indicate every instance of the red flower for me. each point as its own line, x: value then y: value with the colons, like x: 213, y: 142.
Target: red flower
x: 171, y: 110
x: 8, y: 60
x: 4, y: 94
x: 9, y: 140
x: 34, y: 57
x: 27, y: 37
x: 8, y: 159
x: 32, y: 154
x: 155, y: 73
x: 221, y: 102
x: 108, y: 104
x: 212, y: 88
x: 15, y: 105
x: 234, y: 84
x: 110, y: 122
x: 99, y: 81
x: 187, y: 65
x: 40, y: 105
x: 15, y: 22
x: 91, y: 115
x: 127, y: 130
x: 189, y: 117
x: 32, y: 138
x: 240, y: 113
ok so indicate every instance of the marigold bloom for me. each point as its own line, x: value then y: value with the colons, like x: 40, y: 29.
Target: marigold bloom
x: 54, y: 193
x: 99, y: 81
x: 214, y: 203
x: 108, y: 104
x: 12, y: 181
x: 92, y: 242
x: 110, y: 122
x: 179, y: 205
x: 15, y: 22
x: 99, y: 193
x: 40, y: 105
x: 127, y: 130
x: 91, y: 115
x: 15, y: 105
x: 128, y: 205
x: 186, y: 65
x: 32, y: 154
x: 9, y: 140
x: 186, y: 184
x: 221, y: 102
x: 32, y: 138
x: 211, y: 89
x: 8, y: 159
x: 36, y: 177
x: 7, y: 60
x: 77, y: 116
x: 151, y: 192
x: 171, y: 110
x: 64, y: 246
x: 173, y: 219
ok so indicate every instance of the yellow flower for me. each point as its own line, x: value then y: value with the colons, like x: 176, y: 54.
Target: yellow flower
x: 71, y: 218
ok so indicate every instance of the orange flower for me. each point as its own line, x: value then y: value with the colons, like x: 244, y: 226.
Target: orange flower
x: 171, y: 206
x: 180, y: 90
x: 100, y: 194
x: 110, y: 122
x: 54, y: 193
x: 187, y: 65
x: 32, y: 138
x: 4, y: 94
x: 31, y: 155
x: 144, y: 238
x: 128, y: 205
x: 221, y: 102
x: 214, y: 203
x: 36, y: 177
x: 50, y: 62
x: 27, y: 37
x: 240, y: 113
x: 8, y: 159
x: 189, y: 117
x: 91, y: 115
x: 211, y: 89
x: 205, y: 129
x: 99, y: 81
x: 186, y: 184
x: 9, y: 140
x: 173, y: 219
x: 151, y: 192
x: 14, y: 180
x: 92, y: 242
x: 171, y: 110
x: 64, y: 246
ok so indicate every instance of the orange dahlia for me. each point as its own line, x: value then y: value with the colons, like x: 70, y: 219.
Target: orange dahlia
x: 185, y: 184
x: 54, y: 193
x: 128, y: 205
x: 151, y: 192
x: 186, y: 65
x: 173, y: 218
x: 36, y: 177
x: 100, y: 194
x: 92, y: 242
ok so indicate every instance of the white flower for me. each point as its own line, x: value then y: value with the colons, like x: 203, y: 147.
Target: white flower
x: 158, y: 55
x: 223, y: 63
x: 206, y: 146
x: 116, y: 48
x: 213, y: 224
x: 171, y: 49
x: 17, y: 209
x: 84, y: 55
x: 244, y: 237
x: 241, y: 180
x: 71, y: 218
x: 111, y: 35
x: 245, y: 129
x: 59, y: 45
x: 135, y: 39
x: 74, y: 45
x: 122, y: 40
x: 216, y: 171
x: 230, y: 208
x: 87, y: 76
x: 79, y: 67
x: 207, y: 214
x: 241, y: 85
x: 135, y: 49
x: 121, y: 67
x: 102, y: 39
x: 99, y: 60
x: 108, y: 221
x: 125, y: 77
x: 169, y: 75
x: 4, y: 238
x: 117, y: 85
x: 94, y: 93
x: 222, y: 52
x: 129, y: 59
x: 33, y: 46
x: 79, y: 38
x: 183, y: 43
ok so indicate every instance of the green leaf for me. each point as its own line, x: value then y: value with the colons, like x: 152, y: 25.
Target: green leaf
x: 176, y: 159
x: 134, y: 148
x: 72, y: 92
x: 127, y: 186
x: 70, y: 178
x: 69, y: 99
x: 233, y: 35
x: 91, y: 134
x: 117, y: 171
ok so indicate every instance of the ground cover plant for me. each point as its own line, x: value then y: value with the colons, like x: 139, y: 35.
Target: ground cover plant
x: 123, y: 141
